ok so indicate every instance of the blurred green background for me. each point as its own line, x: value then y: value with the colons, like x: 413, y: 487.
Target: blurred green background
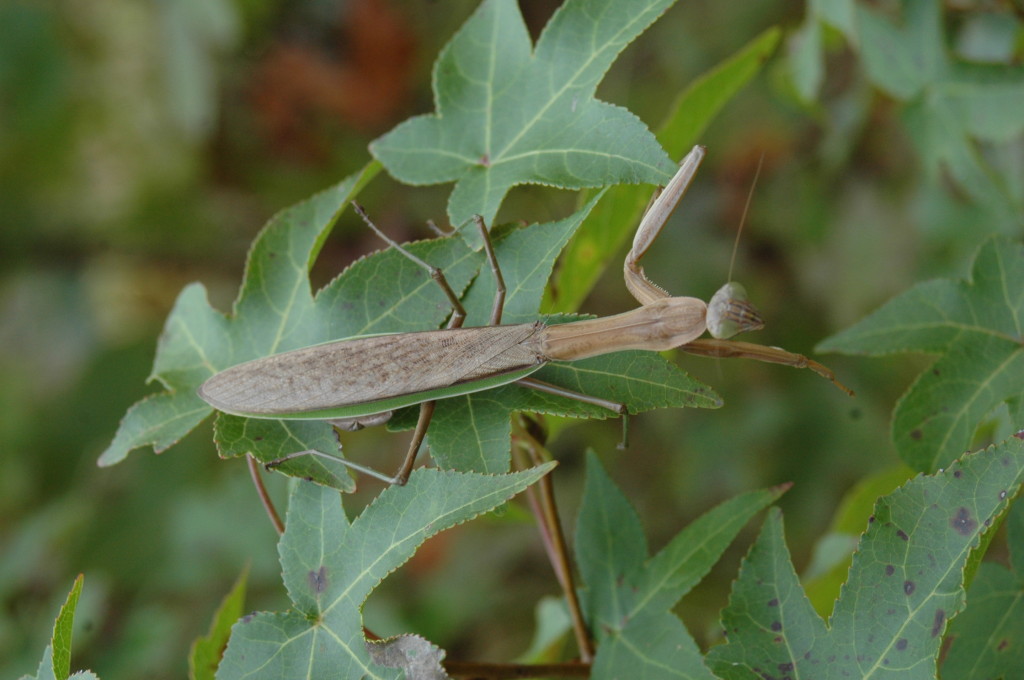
x: 143, y: 145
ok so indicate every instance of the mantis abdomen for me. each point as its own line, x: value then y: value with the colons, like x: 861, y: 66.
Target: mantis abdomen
x: 367, y: 375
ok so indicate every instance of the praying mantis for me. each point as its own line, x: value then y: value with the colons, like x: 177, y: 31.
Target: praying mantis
x: 360, y: 381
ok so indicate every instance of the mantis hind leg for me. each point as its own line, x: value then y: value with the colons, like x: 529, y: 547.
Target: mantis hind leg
x: 427, y: 407
x: 458, y: 316
x: 458, y: 312
x: 614, y: 406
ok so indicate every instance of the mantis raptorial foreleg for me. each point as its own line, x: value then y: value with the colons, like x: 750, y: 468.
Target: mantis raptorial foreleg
x: 728, y: 311
x: 737, y: 349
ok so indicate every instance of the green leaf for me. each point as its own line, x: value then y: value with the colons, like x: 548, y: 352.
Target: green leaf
x: 270, y: 440
x: 206, y: 652
x: 62, y: 630
x: 419, y: 658
x: 615, y: 218
x: 330, y: 567
x: 628, y: 596
x: 833, y: 552
x: 950, y: 103
x: 978, y: 326
x: 507, y: 115
x: 552, y: 623
x: 903, y: 59
x: 807, y: 59
x: 695, y: 109
x: 904, y: 585
x: 56, y: 661
x: 840, y: 14
x: 526, y: 257
x: 472, y: 432
x: 274, y: 311
x: 988, y: 638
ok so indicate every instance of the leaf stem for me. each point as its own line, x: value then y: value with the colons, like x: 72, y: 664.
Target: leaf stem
x: 492, y: 671
x: 257, y: 480
x: 546, y: 510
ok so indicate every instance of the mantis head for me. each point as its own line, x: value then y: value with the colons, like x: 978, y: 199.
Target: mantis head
x: 729, y: 312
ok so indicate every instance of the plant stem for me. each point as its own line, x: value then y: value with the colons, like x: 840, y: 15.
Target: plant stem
x: 558, y: 550
x: 257, y: 480
x: 494, y: 671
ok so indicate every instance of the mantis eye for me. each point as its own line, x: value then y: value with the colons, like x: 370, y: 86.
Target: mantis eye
x: 730, y: 313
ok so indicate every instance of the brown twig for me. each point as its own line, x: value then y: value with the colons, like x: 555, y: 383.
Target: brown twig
x: 257, y: 480
x: 558, y: 551
x: 496, y: 671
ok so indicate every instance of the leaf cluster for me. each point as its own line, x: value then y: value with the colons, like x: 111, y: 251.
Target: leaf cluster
x: 509, y: 112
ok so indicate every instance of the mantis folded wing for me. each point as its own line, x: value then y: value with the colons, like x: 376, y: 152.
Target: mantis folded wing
x: 346, y: 381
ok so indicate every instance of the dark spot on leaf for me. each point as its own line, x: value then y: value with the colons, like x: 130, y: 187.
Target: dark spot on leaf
x: 901, y: 644
x: 890, y: 612
x: 776, y: 626
x: 962, y: 522
x: 257, y: 439
x: 777, y: 639
x: 958, y: 474
x: 1002, y: 645
x: 774, y: 602
x: 831, y: 658
x: 871, y: 519
x: 318, y: 580
x: 909, y: 587
x: 938, y: 622
x: 885, y: 662
x: 485, y: 161
x: 807, y: 655
x: 915, y: 435
x: 889, y: 570
x: 786, y: 667
x: 902, y: 534
x: 856, y: 414
x: 248, y: 617
x: 935, y: 371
